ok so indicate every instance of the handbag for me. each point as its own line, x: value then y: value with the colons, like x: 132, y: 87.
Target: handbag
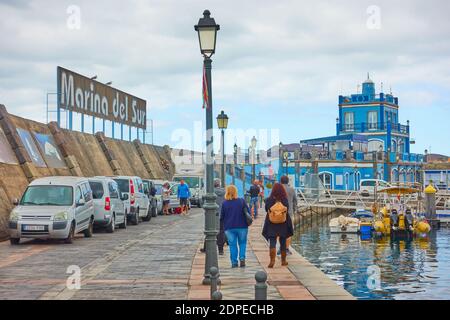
x: 248, y: 217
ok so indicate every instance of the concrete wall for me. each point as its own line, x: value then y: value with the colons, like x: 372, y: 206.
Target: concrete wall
x: 81, y: 154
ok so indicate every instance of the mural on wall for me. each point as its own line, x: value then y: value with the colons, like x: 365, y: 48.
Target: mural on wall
x: 50, y: 150
x: 31, y: 147
x: 6, y: 153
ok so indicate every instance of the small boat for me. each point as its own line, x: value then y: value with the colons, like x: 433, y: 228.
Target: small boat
x: 343, y: 224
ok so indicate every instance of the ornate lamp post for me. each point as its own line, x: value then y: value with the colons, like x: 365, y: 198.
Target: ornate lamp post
x: 222, y: 124
x: 254, y: 141
x: 235, y: 149
x: 207, y: 32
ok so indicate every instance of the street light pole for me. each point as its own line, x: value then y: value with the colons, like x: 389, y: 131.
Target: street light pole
x: 207, y: 31
x: 254, y: 141
x: 222, y: 123
x: 235, y: 147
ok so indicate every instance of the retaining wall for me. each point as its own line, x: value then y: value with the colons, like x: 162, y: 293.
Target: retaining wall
x: 29, y: 150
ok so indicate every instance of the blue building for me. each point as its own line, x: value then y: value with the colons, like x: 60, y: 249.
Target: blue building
x: 370, y: 143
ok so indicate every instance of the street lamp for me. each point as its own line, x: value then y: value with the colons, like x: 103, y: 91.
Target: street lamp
x: 286, y: 159
x: 253, y: 141
x: 207, y: 32
x: 222, y: 123
x: 235, y: 149
x: 280, y: 157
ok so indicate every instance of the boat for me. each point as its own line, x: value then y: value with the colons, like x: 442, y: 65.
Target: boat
x: 343, y: 224
x: 400, y: 222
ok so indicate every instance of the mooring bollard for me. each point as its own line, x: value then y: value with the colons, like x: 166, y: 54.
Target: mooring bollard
x: 261, y: 286
x: 217, y: 295
x: 214, y: 272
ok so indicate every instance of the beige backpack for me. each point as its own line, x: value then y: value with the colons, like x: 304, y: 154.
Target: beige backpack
x: 277, y: 213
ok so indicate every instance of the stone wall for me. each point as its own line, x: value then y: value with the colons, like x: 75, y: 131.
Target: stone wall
x: 79, y: 154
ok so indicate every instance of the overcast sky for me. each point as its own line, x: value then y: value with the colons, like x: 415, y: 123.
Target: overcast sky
x: 278, y: 64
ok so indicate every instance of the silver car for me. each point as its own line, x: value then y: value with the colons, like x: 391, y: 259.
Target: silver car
x: 53, y: 208
x: 109, y: 208
x: 139, y: 203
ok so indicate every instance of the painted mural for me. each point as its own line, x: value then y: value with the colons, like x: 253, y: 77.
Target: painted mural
x: 6, y: 153
x: 49, y: 150
x: 31, y: 148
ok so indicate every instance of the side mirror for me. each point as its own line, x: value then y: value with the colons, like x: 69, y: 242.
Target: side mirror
x: 15, y: 202
x: 81, y: 203
x: 124, y: 197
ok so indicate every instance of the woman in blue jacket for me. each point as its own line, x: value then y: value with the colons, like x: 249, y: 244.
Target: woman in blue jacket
x: 235, y: 225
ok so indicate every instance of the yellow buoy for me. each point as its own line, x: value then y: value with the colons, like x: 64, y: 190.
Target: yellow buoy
x: 423, y: 227
x: 379, y: 226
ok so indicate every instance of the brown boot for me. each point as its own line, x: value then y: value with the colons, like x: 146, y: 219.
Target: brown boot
x: 283, y: 258
x: 273, y: 254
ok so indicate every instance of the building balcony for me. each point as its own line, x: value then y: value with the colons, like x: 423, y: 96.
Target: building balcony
x: 359, y: 156
x: 373, y: 127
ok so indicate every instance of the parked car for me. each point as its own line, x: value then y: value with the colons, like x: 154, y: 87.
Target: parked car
x: 109, y: 207
x: 158, y: 197
x: 138, y: 202
x: 149, y: 186
x: 53, y: 208
x: 367, y: 186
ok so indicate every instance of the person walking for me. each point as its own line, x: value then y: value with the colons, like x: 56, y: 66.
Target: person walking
x: 220, y: 197
x: 165, y: 193
x: 183, y: 195
x: 261, y: 193
x: 278, y: 223
x: 254, y: 194
x: 235, y: 225
x: 292, y: 199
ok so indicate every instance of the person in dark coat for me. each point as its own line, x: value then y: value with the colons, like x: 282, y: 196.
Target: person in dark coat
x: 282, y: 231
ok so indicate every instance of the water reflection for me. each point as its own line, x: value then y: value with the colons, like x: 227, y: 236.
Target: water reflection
x: 409, y: 269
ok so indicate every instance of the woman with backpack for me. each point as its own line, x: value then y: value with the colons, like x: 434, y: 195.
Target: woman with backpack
x: 278, y: 223
x: 233, y: 216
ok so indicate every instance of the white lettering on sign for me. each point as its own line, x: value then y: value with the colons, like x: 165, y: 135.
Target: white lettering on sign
x: 83, y: 95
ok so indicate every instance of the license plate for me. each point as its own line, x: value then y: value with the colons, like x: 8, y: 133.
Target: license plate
x: 33, y: 228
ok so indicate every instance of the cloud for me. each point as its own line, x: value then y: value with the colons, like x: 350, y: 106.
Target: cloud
x: 293, y: 57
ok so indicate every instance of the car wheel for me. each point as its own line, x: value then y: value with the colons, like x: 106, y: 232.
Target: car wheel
x: 148, y: 216
x: 123, y: 225
x: 90, y: 230
x: 14, y: 241
x: 112, y: 225
x: 71, y: 234
x: 136, y: 217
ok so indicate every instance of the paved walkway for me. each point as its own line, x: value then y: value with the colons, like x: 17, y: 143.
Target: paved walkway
x: 299, y: 281
x: 150, y: 261
x: 159, y: 259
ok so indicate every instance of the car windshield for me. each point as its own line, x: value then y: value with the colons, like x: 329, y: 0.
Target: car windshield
x: 124, y: 185
x: 192, y: 182
x: 47, y: 196
x: 158, y: 188
x: 97, y: 189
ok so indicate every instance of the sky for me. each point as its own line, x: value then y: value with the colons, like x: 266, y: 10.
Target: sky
x: 277, y: 73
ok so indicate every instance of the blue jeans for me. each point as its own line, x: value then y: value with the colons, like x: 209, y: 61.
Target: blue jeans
x: 235, y: 237
x: 254, y: 204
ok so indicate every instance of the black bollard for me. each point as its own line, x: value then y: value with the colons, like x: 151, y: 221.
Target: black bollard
x: 261, y: 286
x: 214, y: 272
x: 217, y: 295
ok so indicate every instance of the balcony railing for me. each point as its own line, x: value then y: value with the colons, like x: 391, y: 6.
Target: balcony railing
x: 373, y: 127
x: 360, y: 156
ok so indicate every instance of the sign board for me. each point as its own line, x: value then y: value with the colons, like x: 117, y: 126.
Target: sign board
x: 83, y: 95
x: 6, y: 153
x: 31, y: 147
x: 50, y: 150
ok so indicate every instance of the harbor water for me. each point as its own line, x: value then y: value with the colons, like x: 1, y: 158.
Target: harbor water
x: 371, y: 268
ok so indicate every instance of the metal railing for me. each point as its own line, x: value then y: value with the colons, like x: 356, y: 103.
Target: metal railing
x: 373, y: 126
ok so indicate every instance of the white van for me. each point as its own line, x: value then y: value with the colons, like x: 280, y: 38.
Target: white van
x: 138, y: 201
x: 109, y: 209
x: 53, y: 208
x: 367, y: 186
